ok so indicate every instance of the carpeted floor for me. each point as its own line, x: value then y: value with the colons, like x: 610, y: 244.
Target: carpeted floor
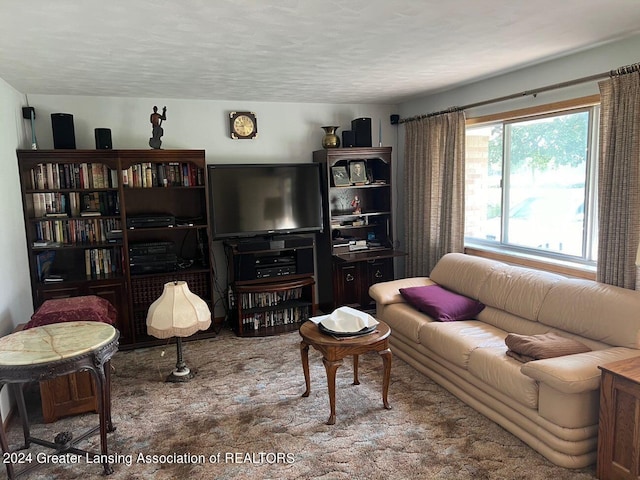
x: 243, y: 417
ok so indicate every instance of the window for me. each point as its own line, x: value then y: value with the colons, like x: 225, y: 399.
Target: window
x: 530, y: 184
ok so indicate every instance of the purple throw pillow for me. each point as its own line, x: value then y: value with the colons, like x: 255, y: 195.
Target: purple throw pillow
x: 441, y: 304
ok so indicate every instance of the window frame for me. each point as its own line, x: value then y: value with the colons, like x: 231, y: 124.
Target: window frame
x: 563, y: 264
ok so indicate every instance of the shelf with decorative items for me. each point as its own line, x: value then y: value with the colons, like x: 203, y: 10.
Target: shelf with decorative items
x: 356, y: 248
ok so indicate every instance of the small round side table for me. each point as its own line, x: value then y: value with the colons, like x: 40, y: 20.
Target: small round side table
x: 335, y: 349
x: 46, y: 352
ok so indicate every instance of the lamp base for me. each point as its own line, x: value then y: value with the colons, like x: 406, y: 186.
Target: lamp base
x: 180, y: 375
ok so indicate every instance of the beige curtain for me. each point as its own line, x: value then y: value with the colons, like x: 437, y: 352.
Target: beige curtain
x: 434, y: 180
x: 619, y: 179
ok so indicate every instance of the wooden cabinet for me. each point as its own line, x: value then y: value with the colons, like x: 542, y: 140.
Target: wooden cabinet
x: 68, y: 395
x: 82, y: 211
x: 352, y: 279
x: 356, y: 248
x: 272, y: 289
x: 619, y: 426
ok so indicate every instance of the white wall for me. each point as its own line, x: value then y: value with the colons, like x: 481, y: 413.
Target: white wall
x: 287, y: 132
x: 583, y: 64
x: 15, y: 287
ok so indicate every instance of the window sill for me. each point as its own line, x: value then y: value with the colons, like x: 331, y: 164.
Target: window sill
x: 566, y: 268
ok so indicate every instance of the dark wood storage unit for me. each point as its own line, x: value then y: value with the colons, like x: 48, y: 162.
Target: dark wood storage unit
x: 76, y: 202
x: 272, y: 289
x: 619, y: 425
x: 355, y: 250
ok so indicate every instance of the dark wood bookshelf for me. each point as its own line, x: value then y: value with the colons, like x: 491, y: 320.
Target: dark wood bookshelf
x: 184, y: 195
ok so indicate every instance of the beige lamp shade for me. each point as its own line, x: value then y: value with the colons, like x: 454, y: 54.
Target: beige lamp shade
x: 177, y: 313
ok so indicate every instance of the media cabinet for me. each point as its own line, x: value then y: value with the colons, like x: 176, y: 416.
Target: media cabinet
x: 271, y: 284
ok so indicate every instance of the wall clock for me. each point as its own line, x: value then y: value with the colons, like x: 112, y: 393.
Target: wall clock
x: 243, y: 125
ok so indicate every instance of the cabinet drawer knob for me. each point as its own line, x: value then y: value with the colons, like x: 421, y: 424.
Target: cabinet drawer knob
x: 349, y: 277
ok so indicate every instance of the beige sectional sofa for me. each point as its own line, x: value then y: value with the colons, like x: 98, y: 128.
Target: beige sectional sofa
x: 551, y: 404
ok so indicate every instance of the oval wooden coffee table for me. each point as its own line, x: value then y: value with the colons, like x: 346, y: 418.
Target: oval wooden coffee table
x: 335, y: 349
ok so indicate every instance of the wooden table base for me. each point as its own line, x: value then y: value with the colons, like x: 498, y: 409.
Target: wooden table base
x: 334, y: 350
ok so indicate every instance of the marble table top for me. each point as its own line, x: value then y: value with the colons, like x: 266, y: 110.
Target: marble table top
x: 53, y: 342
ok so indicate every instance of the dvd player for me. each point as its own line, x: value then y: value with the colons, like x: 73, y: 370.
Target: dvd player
x: 151, y: 248
x: 150, y: 221
x: 267, y: 272
x: 167, y: 262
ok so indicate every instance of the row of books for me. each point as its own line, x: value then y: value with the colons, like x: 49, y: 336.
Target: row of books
x: 102, y: 261
x: 147, y: 175
x: 54, y: 176
x: 267, y: 299
x: 275, y: 318
x: 75, y: 231
x: 75, y: 204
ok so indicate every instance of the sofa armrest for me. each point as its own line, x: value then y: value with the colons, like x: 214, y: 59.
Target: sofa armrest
x: 575, y: 373
x: 386, y: 293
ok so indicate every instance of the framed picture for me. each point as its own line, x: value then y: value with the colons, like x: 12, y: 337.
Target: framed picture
x: 358, y: 172
x: 340, y: 177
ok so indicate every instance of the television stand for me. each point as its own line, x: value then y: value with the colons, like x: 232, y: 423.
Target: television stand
x: 271, y: 284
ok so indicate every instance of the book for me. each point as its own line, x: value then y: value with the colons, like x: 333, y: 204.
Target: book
x: 44, y: 261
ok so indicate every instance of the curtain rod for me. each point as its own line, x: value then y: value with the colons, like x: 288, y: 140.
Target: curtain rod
x: 611, y: 73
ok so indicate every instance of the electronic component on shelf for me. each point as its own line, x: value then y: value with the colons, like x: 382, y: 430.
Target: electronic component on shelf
x: 150, y: 221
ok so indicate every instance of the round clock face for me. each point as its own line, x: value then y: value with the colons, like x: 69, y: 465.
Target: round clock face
x: 243, y: 126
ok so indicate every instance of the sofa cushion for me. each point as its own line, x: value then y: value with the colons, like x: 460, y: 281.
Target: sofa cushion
x: 463, y: 273
x: 594, y: 310
x: 492, y: 366
x: 517, y: 290
x: 525, y: 348
x: 441, y: 304
x: 455, y: 341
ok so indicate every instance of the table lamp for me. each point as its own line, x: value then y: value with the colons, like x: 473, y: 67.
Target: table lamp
x: 178, y: 313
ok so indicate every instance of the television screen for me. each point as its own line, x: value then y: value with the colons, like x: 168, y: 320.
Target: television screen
x: 254, y: 199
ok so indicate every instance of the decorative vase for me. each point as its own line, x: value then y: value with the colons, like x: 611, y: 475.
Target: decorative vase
x: 330, y: 139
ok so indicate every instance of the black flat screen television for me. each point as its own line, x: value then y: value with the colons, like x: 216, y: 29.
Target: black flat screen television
x: 264, y: 199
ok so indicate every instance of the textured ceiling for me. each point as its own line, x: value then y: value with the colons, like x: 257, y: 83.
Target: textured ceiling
x: 329, y: 51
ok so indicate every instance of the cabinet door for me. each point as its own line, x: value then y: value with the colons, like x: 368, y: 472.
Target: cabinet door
x: 116, y: 295
x: 380, y: 270
x: 347, y: 284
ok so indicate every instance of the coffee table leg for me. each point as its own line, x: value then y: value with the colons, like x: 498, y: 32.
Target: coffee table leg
x: 386, y: 361
x: 304, y: 354
x: 331, y: 368
x: 355, y: 370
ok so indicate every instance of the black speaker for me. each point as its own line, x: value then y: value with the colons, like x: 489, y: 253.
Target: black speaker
x: 348, y: 138
x: 362, y: 129
x: 304, y: 260
x: 395, y: 119
x: 63, y: 133
x: 103, y: 139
